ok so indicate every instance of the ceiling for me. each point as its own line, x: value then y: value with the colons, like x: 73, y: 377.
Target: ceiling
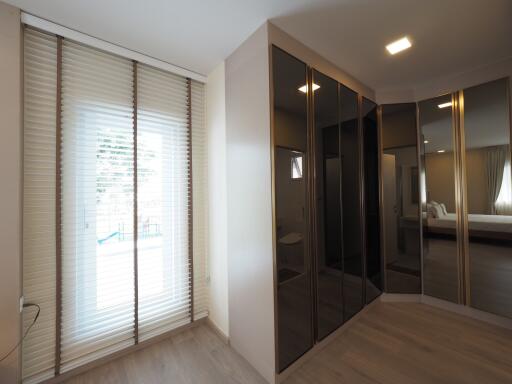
x: 449, y: 37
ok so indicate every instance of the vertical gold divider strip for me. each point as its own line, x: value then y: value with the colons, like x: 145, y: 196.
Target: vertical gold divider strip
x: 362, y: 195
x: 58, y: 210
x: 190, y: 200
x: 381, y: 201
x: 135, y: 206
x: 463, y: 182
x: 312, y: 248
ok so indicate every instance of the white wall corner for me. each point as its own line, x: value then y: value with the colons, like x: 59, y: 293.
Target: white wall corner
x: 217, y: 203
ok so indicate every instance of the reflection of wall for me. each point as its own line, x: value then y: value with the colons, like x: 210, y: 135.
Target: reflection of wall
x: 441, y: 184
x: 440, y: 179
x: 399, y: 128
x: 406, y: 158
x: 290, y: 130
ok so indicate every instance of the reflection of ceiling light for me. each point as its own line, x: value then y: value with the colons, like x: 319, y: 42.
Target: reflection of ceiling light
x: 399, y: 45
x: 426, y: 141
x: 441, y: 151
x: 445, y: 105
x: 304, y: 88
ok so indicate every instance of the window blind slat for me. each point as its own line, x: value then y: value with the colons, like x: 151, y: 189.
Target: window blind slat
x: 163, y: 199
x: 98, y: 291
x: 40, y: 93
x: 200, y: 199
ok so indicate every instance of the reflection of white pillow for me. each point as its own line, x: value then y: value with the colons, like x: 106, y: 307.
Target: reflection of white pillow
x: 443, y: 207
x: 438, y: 211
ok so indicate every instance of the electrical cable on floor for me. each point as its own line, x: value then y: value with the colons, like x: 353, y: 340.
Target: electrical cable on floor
x: 26, y: 332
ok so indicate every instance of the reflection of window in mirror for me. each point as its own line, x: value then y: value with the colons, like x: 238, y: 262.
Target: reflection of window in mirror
x: 503, y: 203
x: 297, y: 167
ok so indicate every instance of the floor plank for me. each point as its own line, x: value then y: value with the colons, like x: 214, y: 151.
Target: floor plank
x: 412, y: 343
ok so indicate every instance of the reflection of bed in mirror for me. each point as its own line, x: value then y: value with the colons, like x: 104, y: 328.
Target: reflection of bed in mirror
x: 481, y: 227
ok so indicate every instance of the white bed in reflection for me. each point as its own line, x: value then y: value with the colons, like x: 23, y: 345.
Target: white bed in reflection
x: 489, y: 223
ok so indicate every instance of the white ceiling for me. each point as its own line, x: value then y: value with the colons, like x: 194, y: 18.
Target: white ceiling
x: 449, y: 36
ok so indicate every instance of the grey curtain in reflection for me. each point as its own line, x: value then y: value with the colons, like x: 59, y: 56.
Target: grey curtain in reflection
x: 496, y: 157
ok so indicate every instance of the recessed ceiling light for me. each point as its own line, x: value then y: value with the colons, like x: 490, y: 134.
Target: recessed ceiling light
x: 304, y: 88
x: 426, y: 141
x: 441, y: 151
x: 399, y: 45
x: 445, y: 105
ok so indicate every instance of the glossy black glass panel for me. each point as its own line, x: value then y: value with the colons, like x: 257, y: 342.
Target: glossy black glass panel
x: 400, y: 198
x: 437, y: 175
x: 371, y: 199
x: 351, y: 202
x: 328, y: 255
x: 489, y: 196
x: 291, y: 158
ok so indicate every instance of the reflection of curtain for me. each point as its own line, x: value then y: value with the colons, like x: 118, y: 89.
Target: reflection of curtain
x: 496, y: 157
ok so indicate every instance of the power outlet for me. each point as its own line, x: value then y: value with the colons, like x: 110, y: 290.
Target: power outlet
x: 22, y: 301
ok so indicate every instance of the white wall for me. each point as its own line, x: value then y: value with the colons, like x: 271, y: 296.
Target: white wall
x: 249, y: 203
x: 217, y: 201
x: 10, y: 190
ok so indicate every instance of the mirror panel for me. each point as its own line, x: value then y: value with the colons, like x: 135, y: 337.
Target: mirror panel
x: 294, y: 299
x: 489, y: 196
x: 351, y: 197
x: 371, y: 191
x: 400, y: 197
x: 440, y: 261
x: 329, y: 267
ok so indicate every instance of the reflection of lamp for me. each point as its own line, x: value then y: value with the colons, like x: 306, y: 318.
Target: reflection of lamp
x: 304, y: 88
x: 445, y: 105
x: 441, y: 151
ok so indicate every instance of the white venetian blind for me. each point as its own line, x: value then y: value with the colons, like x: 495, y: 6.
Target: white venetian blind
x: 39, y: 278
x: 163, y: 201
x: 200, y: 199
x: 98, y: 293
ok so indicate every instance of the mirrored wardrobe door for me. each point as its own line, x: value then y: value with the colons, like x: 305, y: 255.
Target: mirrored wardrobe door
x: 351, y: 202
x: 329, y: 266
x: 439, y: 216
x: 294, y: 299
x: 400, y: 198
x: 489, y: 196
x: 371, y: 199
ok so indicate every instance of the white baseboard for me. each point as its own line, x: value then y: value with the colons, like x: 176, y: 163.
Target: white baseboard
x: 218, y: 331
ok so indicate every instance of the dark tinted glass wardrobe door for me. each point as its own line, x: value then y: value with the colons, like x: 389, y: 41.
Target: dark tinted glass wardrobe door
x: 351, y: 202
x: 400, y: 198
x: 489, y: 196
x: 371, y: 200
x: 437, y: 173
x: 294, y: 299
x: 328, y: 255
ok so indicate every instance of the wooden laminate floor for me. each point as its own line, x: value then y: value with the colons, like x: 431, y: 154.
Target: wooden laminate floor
x: 412, y: 343
x: 388, y: 343
x: 194, y: 356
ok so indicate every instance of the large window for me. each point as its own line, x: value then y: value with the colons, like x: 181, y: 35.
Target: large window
x: 114, y: 204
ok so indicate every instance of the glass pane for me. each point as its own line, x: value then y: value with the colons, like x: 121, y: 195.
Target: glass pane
x: 489, y: 198
x: 400, y: 188
x: 290, y: 138
x: 350, y: 185
x: 371, y: 182
x: 440, y: 271
x: 328, y: 206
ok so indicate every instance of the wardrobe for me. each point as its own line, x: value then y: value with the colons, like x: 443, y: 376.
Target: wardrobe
x: 447, y: 197
x: 325, y: 150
